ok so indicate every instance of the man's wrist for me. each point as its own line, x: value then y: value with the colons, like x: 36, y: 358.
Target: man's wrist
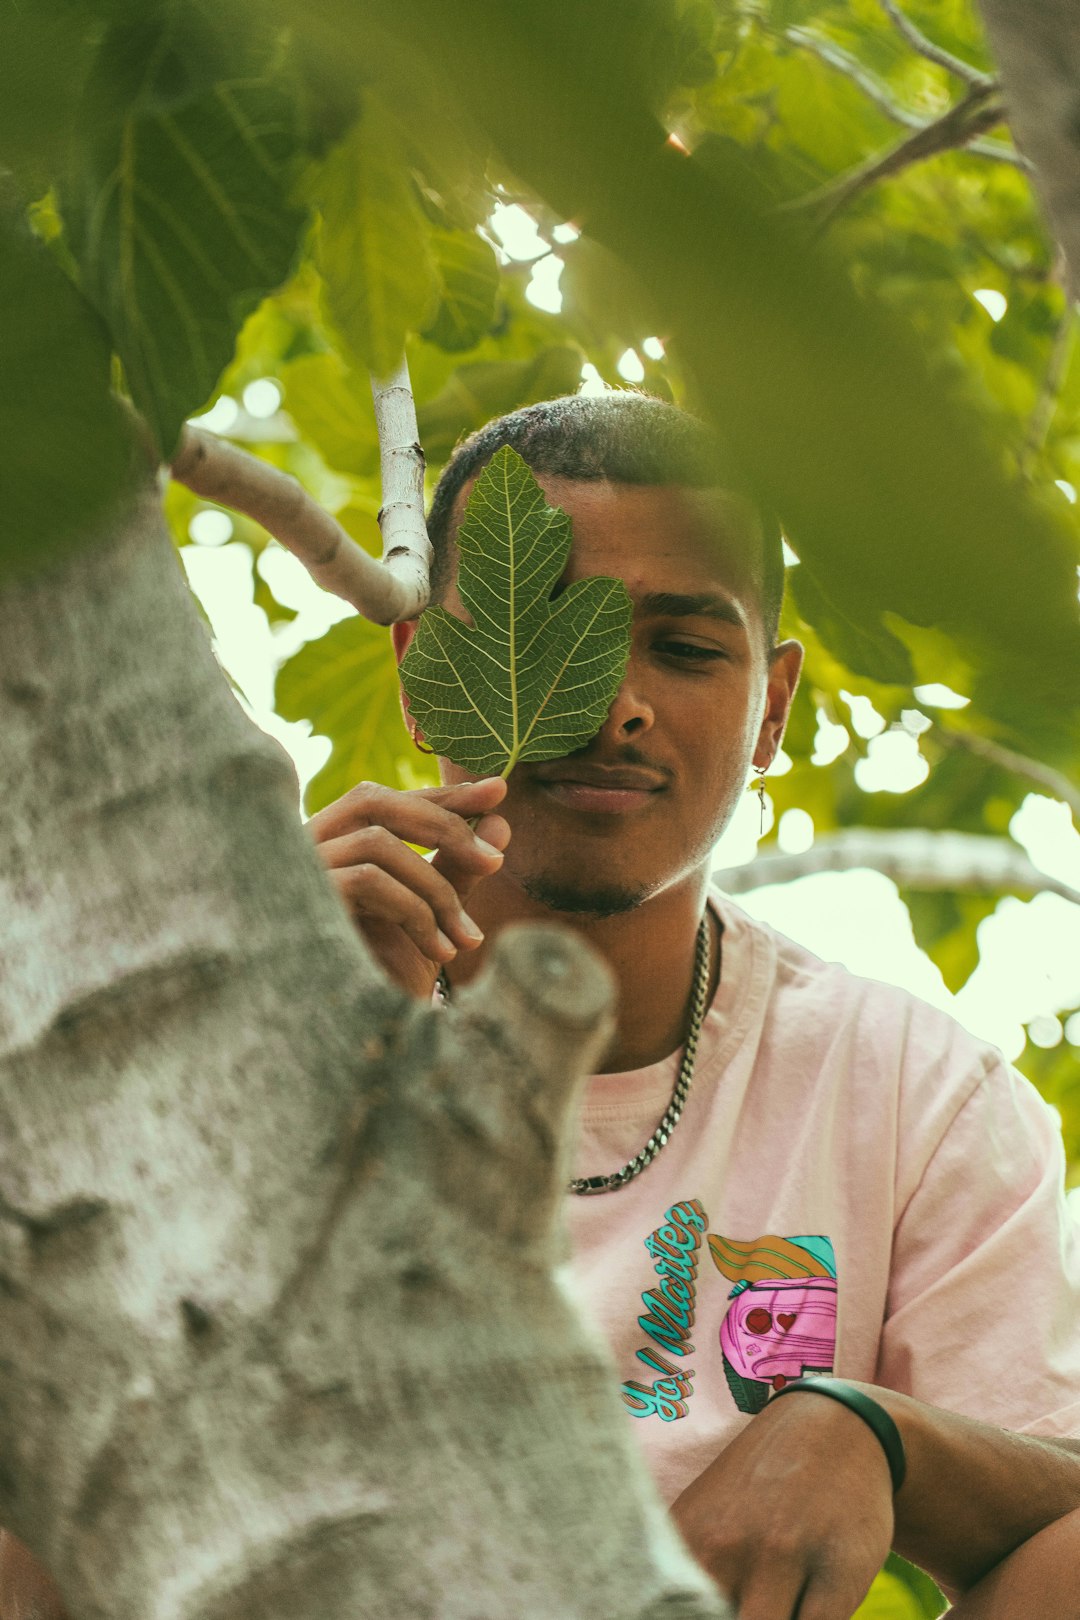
x: 872, y: 1413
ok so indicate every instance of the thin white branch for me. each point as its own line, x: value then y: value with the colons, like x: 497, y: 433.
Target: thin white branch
x: 406, y: 547
x: 915, y: 858
x: 998, y: 152
x: 383, y: 592
x: 933, y: 53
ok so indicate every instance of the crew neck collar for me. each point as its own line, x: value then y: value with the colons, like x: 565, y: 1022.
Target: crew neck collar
x: 743, y: 977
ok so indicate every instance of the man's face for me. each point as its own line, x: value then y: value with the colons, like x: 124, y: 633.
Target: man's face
x: 642, y: 805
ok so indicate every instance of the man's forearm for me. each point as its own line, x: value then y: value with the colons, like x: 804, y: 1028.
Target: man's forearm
x: 973, y: 1492
x: 1039, y: 1578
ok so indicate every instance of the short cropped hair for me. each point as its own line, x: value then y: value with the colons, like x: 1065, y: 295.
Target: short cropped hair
x: 624, y: 436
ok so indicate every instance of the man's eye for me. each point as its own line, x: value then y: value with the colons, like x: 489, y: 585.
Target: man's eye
x: 689, y: 651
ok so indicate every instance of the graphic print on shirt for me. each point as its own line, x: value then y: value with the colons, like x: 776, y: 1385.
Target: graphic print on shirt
x: 781, y: 1322
x: 669, y: 1314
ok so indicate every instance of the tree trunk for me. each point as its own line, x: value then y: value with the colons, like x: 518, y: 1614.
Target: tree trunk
x: 281, y: 1335
x: 1037, y: 46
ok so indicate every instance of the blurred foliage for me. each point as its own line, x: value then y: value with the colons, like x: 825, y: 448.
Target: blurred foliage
x: 176, y: 197
x: 218, y: 193
x: 54, y: 368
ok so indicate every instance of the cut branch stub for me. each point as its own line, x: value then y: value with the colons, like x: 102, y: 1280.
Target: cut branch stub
x: 546, y: 1007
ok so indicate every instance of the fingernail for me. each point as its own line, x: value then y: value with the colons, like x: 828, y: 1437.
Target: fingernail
x: 487, y: 849
x: 446, y: 944
x: 469, y: 928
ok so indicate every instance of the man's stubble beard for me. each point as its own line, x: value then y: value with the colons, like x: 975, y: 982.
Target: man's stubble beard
x: 594, y: 901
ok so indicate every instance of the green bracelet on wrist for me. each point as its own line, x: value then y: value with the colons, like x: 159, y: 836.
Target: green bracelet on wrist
x: 873, y: 1415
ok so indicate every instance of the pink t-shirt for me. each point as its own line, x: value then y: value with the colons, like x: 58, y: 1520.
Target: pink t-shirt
x: 856, y: 1184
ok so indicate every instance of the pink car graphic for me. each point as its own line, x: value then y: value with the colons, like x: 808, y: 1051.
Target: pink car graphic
x: 774, y: 1331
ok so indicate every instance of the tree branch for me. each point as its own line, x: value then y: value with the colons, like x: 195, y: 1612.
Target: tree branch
x: 914, y: 858
x: 933, y: 53
x: 872, y: 87
x: 384, y: 592
x: 406, y: 547
x: 979, y: 111
x: 877, y: 91
x: 1044, y: 776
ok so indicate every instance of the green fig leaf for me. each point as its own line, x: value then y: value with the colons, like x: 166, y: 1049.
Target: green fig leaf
x: 534, y: 676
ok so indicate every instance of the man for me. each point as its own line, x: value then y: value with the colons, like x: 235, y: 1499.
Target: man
x: 845, y: 1182
x: 851, y: 1184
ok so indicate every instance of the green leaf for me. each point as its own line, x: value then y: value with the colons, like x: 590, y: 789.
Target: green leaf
x: 598, y: 289
x: 889, y: 1599
x: 43, y: 56
x: 469, y: 276
x: 533, y: 678
x: 945, y: 927
x: 179, y: 209
x: 487, y: 388
x: 932, y: 1602
x: 65, y: 449
x: 860, y: 638
x: 346, y: 685
x: 373, y: 250
x: 263, y: 597
x: 332, y: 412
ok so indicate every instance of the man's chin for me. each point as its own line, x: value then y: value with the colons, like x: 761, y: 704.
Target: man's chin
x: 584, y: 899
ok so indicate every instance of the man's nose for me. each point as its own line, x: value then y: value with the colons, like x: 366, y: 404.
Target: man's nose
x: 631, y: 714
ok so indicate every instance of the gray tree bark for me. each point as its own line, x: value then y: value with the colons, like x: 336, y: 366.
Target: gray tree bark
x: 281, y: 1330
x: 1037, y: 46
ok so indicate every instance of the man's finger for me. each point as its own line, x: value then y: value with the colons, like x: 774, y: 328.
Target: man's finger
x: 464, y: 866
x: 352, y: 859
x: 432, y: 817
x: 828, y: 1599
x: 372, y: 895
x: 770, y: 1589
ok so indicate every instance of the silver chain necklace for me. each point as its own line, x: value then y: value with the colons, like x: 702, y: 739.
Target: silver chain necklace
x: 587, y: 1186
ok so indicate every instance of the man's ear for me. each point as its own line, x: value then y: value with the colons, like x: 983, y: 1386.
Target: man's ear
x: 785, y: 663
x: 401, y: 635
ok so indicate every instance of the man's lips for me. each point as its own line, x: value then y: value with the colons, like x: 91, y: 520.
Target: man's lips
x: 610, y: 789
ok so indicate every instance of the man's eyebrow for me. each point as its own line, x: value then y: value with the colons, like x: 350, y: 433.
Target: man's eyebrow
x: 698, y: 605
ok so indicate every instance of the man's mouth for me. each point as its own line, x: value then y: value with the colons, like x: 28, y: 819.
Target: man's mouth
x: 603, y: 789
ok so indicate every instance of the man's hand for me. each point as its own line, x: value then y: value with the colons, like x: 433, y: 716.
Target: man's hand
x: 26, y: 1592
x: 795, y: 1517
x: 411, y: 911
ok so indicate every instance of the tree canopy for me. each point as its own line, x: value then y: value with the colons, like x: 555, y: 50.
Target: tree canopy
x: 805, y: 219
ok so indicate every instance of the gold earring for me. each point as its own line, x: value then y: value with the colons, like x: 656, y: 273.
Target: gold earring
x: 759, y: 789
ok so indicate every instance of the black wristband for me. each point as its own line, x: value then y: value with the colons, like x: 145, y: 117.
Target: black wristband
x: 872, y: 1414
